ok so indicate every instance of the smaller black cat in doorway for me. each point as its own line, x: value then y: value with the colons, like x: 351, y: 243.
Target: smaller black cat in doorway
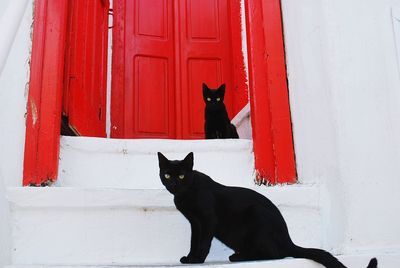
x: 217, y: 124
x: 244, y: 220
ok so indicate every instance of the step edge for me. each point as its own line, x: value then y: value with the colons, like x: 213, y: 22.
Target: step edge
x: 268, y: 263
x: 75, y: 197
x: 151, y: 146
x: 288, y: 262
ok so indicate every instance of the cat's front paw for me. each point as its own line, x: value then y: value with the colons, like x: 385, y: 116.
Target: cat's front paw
x: 188, y: 259
x: 236, y: 257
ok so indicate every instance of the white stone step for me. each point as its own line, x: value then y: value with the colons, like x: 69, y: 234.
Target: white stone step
x: 93, y: 226
x: 133, y: 164
x: 286, y: 263
x: 351, y: 261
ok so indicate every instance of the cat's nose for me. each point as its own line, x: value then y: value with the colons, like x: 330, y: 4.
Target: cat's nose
x: 172, y: 186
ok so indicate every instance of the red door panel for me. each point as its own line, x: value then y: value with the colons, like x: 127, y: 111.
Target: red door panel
x: 200, y: 71
x: 151, y: 96
x: 202, y: 19
x: 205, y: 57
x: 85, y: 83
x: 149, y: 70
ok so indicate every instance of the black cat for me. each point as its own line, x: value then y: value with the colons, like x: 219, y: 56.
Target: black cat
x: 217, y: 124
x: 242, y: 219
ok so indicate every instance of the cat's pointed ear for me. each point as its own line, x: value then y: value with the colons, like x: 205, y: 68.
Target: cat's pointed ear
x: 222, y: 89
x: 162, y: 160
x: 205, y: 88
x: 189, y: 160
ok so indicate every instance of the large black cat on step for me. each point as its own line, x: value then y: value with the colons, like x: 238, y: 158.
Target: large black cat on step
x: 242, y: 219
x: 217, y: 124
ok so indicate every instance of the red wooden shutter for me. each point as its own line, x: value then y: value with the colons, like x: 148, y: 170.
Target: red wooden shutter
x: 77, y: 60
x: 85, y: 84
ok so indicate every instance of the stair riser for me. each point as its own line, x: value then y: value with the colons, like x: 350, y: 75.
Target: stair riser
x: 123, y: 235
x: 134, y: 164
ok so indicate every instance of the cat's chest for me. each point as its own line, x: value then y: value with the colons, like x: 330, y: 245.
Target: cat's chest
x: 192, y: 202
x: 186, y: 202
x: 216, y: 123
x: 216, y: 117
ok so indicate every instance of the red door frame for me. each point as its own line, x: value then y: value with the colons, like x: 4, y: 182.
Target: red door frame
x: 270, y: 114
x: 42, y: 141
x: 269, y: 100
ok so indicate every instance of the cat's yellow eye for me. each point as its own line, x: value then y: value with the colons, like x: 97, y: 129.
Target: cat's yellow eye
x: 167, y: 176
x: 208, y: 99
x: 218, y: 99
x: 181, y: 177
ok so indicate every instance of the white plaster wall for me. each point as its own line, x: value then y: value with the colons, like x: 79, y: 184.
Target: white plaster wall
x: 13, y: 81
x: 5, y: 238
x: 4, y: 4
x: 13, y: 94
x: 345, y: 100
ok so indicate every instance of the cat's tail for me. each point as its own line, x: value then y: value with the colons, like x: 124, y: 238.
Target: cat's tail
x: 323, y: 257
x: 373, y: 263
x: 318, y: 255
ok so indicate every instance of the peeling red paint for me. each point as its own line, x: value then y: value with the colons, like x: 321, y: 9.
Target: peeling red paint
x: 34, y: 113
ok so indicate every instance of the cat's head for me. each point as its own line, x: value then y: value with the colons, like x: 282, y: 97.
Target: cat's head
x: 176, y: 175
x: 214, y: 98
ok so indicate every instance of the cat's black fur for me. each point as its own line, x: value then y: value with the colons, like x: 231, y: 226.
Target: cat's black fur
x: 242, y: 219
x: 217, y: 124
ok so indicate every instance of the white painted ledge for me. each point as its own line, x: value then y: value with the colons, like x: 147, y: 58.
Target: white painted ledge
x: 242, y: 115
x: 242, y: 123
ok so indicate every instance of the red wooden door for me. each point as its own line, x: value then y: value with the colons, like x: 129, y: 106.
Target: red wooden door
x: 163, y: 51
x: 205, y: 56
x: 149, y: 69
x: 85, y: 79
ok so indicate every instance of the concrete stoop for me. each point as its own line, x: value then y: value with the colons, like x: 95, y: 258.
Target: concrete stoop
x: 109, y: 208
